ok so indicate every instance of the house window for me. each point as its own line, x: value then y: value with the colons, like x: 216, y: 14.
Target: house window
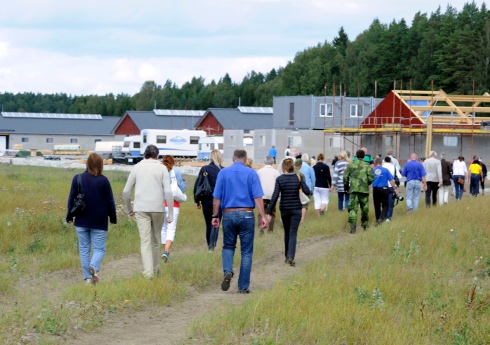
x: 295, y: 141
x: 450, y: 141
x: 353, y: 110
x: 49, y: 140
x: 211, y: 147
x: 291, y: 114
x: 232, y: 140
x: 329, y: 110
x: 388, y: 141
x: 220, y: 146
x: 161, y: 139
x: 99, y: 140
x: 73, y: 141
x: 194, y: 140
x: 262, y: 140
x: 24, y: 140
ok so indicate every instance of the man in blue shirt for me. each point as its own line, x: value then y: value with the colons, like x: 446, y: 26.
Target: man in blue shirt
x: 414, y: 172
x: 273, y: 153
x: 382, y: 179
x: 237, y: 192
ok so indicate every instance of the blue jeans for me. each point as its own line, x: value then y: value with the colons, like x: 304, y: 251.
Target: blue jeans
x: 343, y: 200
x: 96, y: 238
x: 458, y: 187
x: 290, y: 221
x: 475, y: 184
x: 413, y: 194
x: 391, y: 202
x: 238, y: 224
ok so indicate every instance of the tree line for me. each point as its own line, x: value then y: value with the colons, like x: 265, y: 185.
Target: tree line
x: 449, y: 51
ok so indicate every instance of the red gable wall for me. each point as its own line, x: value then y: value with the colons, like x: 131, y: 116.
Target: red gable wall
x: 127, y: 127
x: 391, y: 110
x: 211, y: 125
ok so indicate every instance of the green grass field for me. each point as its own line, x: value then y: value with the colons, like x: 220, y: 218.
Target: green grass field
x: 421, y: 279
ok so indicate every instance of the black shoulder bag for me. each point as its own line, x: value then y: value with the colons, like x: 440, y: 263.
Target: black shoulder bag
x: 397, y: 180
x: 203, y: 187
x: 79, y: 205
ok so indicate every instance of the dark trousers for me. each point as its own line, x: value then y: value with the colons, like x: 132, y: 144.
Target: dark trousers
x: 290, y: 221
x: 273, y: 216
x: 432, y: 188
x: 211, y: 232
x: 381, y: 202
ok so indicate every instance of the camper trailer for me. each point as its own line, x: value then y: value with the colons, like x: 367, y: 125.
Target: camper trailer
x: 131, y: 146
x: 178, y: 143
x: 208, y: 144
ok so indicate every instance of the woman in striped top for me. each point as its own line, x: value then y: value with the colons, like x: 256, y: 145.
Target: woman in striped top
x: 338, y: 179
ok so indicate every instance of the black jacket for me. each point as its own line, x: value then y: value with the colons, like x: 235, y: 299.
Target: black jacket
x: 287, y: 185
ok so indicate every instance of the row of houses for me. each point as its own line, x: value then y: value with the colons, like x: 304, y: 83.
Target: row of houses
x: 406, y: 122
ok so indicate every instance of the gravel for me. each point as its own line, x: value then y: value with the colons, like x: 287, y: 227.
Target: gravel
x: 68, y: 163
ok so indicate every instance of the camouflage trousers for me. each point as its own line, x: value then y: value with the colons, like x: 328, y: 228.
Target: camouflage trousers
x: 356, y: 200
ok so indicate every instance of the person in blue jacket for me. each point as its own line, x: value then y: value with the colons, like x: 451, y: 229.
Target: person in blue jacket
x: 92, y: 225
x: 273, y: 153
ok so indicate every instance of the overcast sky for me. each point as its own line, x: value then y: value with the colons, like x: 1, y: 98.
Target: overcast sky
x: 103, y: 46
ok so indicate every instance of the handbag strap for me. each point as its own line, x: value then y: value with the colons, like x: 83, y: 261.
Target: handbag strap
x: 79, y: 180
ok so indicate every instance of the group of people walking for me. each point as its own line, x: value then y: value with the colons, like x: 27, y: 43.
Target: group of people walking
x: 233, y: 193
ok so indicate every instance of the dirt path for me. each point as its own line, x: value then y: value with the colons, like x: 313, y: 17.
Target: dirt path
x: 170, y: 324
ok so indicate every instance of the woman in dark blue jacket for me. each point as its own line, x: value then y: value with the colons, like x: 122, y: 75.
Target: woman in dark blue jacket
x: 288, y: 185
x: 92, y: 225
x: 206, y: 203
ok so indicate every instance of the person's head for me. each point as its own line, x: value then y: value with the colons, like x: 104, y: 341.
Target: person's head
x: 239, y: 155
x: 413, y: 157
x: 343, y: 155
x: 298, y: 156
x: 95, y: 164
x: 168, y: 161
x: 273, y: 146
x: 268, y: 160
x: 216, y: 157
x: 389, y: 152
x: 360, y: 154
x: 461, y: 158
x: 249, y: 162
x: 287, y: 166
x: 321, y: 157
x: 433, y: 154
x: 378, y: 161
x: 151, y: 152
x: 312, y: 157
x: 305, y: 158
x: 443, y: 156
x: 387, y: 159
x: 475, y: 157
x: 288, y: 146
x: 365, y: 150
x: 298, y: 162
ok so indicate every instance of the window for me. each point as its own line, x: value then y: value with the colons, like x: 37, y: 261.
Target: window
x: 295, y: 141
x: 194, y: 140
x: 49, y: 140
x: 291, y: 114
x: 200, y: 147
x: 136, y: 145
x: 450, y: 141
x: 232, y: 140
x: 262, y: 140
x: 145, y: 138
x: 329, y: 110
x: 220, y: 146
x: 126, y: 144
x: 211, y: 147
x: 388, y: 141
x: 73, y: 141
x: 161, y: 139
x: 24, y: 140
x: 353, y: 110
x: 99, y: 140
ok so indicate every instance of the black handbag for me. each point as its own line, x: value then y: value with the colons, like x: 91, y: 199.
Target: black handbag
x: 79, y: 205
x: 397, y: 180
x: 203, y: 188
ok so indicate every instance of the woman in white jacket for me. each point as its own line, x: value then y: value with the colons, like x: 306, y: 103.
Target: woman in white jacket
x: 395, y: 172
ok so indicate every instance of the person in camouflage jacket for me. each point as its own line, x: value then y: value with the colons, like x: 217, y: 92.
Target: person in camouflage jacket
x: 357, y: 178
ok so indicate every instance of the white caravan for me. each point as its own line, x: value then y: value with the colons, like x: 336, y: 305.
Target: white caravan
x: 132, y: 145
x: 178, y: 143
x: 208, y: 144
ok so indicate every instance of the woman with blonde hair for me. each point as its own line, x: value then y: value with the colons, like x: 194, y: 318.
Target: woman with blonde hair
x: 169, y: 229
x: 92, y: 224
x: 338, y: 180
x: 205, y: 202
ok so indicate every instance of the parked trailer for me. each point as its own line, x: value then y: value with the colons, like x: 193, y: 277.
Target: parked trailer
x: 208, y: 144
x: 178, y: 143
x: 108, y: 149
x: 132, y: 145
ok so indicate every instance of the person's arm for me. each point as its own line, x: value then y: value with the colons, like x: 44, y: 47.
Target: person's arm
x: 128, y: 188
x: 71, y: 196
x: 111, y: 205
x: 392, y: 183
x: 424, y: 182
x: 439, y: 173
x: 259, y: 203
x: 216, y: 205
x: 274, y: 198
x: 180, y: 181
x: 304, y: 187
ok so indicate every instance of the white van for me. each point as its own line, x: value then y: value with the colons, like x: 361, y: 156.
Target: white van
x: 208, y: 144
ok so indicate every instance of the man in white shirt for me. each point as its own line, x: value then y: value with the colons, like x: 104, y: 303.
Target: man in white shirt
x: 267, y: 177
x: 433, y: 169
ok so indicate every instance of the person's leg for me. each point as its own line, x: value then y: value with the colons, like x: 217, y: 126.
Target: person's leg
x: 384, y: 204
x: 458, y: 188
x: 286, y: 223
x: 165, y: 226
x: 293, y: 233
x: 273, y: 218
x: 325, y: 194
x: 99, y: 239
x: 428, y: 192
x: 391, y: 203
x: 409, y: 190
x: 346, y: 200
x: 340, y: 203
x: 143, y: 222
x: 440, y: 195
x: 157, y: 219
x: 84, y: 249
x: 377, y: 203
x: 446, y: 193
x: 353, y: 206
x: 207, y: 212
x: 416, y: 196
x: 364, y: 203
x: 171, y: 229
x: 229, y: 241
x: 435, y: 189
x: 247, y: 233
x: 317, y: 201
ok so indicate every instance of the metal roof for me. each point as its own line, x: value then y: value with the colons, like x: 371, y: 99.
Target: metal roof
x: 71, y: 126
x: 148, y: 119
x: 173, y: 112
x: 232, y: 118
x: 53, y: 115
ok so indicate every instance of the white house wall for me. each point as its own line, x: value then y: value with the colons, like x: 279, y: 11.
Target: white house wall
x: 38, y: 142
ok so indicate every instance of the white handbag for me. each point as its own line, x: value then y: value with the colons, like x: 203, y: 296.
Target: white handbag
x: 179, y: 196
